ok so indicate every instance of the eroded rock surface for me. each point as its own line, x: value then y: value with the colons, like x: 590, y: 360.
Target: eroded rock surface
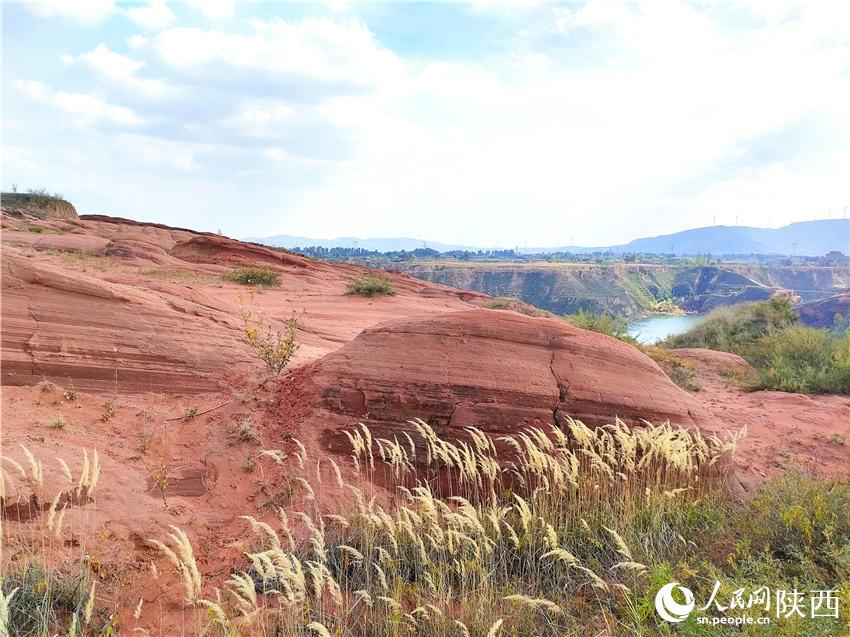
x: 496, y: 370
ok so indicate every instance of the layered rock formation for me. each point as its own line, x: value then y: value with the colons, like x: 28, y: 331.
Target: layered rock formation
x: 495, y: 370
x: 822, y: 313
x: 114, y: 305
x: 38, y: 206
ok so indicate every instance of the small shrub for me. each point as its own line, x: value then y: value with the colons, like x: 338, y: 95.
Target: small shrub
x: 273, y: 347
x: 602, y: 324
x: 254, y: 275
x: 498, y: 304
x: 802, y: 520
x: 682, y: 373
x: 191, y: 413
x: 70, y: 393
x: 158, y: 475
x: 371, y: 285
x: 35, y: 229
x: 145, y: 439
x: 244, y: 432
x: 108, y: 412
x: 58, y: 422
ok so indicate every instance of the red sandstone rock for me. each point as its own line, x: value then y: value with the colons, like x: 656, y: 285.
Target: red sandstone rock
x: 496, y: 370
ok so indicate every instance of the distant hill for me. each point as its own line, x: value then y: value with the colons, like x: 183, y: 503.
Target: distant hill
x: 809, y: 238
x: 804, y: 238
x: 375, y: 243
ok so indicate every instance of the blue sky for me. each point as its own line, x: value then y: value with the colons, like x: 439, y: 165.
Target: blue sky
x: 489, y: 122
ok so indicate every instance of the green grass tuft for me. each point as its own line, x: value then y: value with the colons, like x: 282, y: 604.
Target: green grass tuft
x: 254, y: 275
x: 371, y: 285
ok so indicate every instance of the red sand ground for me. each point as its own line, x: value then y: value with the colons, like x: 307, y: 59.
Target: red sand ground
x: 139, y: 320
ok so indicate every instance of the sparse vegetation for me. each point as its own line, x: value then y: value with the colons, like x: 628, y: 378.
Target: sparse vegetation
x: 371, y: 285
x: 58, y: 422
x: 499, y: 303
x: 40, y: 595
x: 562, y: 532
x: 108, y: 412
x: 191, y: 413
x: 275, y: 348
x: 683, y: 373
x: 254, y: 275
x: 44, y: 599
x: 603, y: 324
x: 244, y: 432
x: 788, y: 357
x: 159, y: 477
x: 737, y: 328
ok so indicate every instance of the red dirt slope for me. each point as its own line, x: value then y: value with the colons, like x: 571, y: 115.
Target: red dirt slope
x: 108, y: 304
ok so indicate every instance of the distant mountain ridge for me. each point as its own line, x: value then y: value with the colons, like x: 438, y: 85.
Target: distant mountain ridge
x: 380, y: 244
x: 803, y: 238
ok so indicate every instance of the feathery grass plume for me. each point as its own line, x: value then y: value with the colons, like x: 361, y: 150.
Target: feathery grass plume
x: 137, y: 614
x: 16, y: 465
x: 495, y: 628
x: 632, y: 566
x: 216, y: 614
x: 66, y: 470
x: 35, y: 467
x: 184, y: 561
x: 308, y: 490
x: 51, y: 512
x: 89, y: 607
x: 364, y: 596
x: 94, y: 475
x: 84, y: 474
x: 622, y: 547
x: 319, y: 629
x: 275, y: 454
x: 561, y: 554
x: 263, y: 529
x: 5, y: 601
x: 59, y: 521
x: 535, y: 602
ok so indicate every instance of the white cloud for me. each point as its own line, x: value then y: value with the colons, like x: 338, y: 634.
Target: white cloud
x: 102, y: 60
x: 600, y: 121
x: 137, y: 41
x: 155, y: 15
x: 214, y: 9
x: 18, y: 158
x: 458, y: 82
x: 123, y: 69
x: 261, y: 118
x: 82, y: 11
x: 152, y: 151
x: 67, y: 60
x: 85, y: 108
x: 316, y: 48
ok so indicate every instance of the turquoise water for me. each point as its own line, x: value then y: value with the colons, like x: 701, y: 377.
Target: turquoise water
x: 651, y: 329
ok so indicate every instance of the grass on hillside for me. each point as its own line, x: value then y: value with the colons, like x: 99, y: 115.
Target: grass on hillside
x: 602, y: 324
x: 788, y: 357
x: 371, y: 285
x: 543, y: 533
x: 254, y: 275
